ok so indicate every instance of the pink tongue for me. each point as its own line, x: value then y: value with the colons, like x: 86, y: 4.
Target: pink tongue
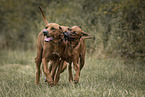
x: 48, y: 39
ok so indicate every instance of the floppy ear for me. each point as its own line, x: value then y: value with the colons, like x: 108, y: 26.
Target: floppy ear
x: 85, y: 34
x: 61, y: 32
x: 69, y: 29
x: 60, y: 28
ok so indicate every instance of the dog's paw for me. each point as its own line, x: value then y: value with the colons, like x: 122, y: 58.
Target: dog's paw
x: 51, y: 84
x: 75, y: 82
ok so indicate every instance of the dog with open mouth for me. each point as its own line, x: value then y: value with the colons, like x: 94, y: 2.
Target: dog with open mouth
x: 50, y: 47
x: 59, y: 44
x: 53, y: 67
x: 52, y: 50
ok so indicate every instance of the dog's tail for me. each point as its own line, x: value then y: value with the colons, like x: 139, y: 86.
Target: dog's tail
x: 45, y: 20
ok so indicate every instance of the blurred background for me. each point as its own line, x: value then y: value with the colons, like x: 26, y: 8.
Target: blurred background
x: 118, y: 26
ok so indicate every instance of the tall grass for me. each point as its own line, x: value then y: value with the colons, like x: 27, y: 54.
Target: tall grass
x: 16, y: 57
x: 100, y: 77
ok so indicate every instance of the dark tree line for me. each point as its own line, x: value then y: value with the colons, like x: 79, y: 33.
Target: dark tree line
x: 117, y: 25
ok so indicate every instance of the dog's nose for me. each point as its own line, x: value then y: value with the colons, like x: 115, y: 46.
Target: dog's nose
x: 45, y: 32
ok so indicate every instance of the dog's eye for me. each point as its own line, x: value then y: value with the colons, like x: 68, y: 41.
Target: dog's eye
x: 46, y: 27
x: 52, y: 28
x: 74, y: 32
x: 69, y: 29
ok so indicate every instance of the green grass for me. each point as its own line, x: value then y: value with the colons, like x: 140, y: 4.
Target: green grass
x: 99, y: 78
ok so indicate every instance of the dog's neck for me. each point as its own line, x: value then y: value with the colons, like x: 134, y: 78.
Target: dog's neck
x: 74, y: 43
x: 58, y: 41
x: 69, y: 47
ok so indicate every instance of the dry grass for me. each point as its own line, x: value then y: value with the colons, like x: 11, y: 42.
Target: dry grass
x: 99, y: 78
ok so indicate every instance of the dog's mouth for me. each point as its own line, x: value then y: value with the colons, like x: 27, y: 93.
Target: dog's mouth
x: 47, y: 39
x: 68, y: 36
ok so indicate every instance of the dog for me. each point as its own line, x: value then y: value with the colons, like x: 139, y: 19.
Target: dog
x: 50, y: 47
x: 63, y: 64
x: 52, y: 50
x: 74, y: 52
x: 53, y: 67
x: 59, y: 46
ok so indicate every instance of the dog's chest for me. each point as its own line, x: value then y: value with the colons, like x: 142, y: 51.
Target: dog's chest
x: 58, y: 50
x: 68, y: 54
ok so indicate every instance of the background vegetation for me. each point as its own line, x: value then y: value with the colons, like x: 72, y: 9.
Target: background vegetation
x: 118, y: 26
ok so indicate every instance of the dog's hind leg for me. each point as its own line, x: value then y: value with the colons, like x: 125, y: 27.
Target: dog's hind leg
x: 82, y: 54
x: 82, y: 61
x: 38, y: 71
x: 38, y: 59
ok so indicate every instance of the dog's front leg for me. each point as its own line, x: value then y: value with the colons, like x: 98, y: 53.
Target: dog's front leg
x: 64, y: 67
x: 54, y: 67
x: 46, y: 71
x: 77, y: 69
x: 60, y: 65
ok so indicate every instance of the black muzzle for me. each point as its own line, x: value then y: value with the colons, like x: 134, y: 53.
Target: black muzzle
x: 67, y: 36
x: 45, y: 32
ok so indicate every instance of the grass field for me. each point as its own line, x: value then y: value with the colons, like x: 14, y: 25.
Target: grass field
x: 99, y: 78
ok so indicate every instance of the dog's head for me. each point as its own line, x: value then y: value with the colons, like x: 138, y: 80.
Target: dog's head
x: 66, y: 31
x: 53, y: 32
x: 76, y: 32
x: 65, y: 28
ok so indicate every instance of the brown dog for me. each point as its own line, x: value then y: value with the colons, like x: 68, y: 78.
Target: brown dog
x: 52, y: 50
x: 56, y: 51
x: 49, y: 48
x: 74, y: 51
x: 53, y: 67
